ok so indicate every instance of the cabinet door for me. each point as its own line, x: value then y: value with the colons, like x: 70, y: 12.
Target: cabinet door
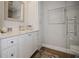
x: 32, y: 43
x: 22, y: 45
x: 29, y: 45
x: 35, y: 40
x: 33, y: 18
x: 11, y: 52
x: 25, y: 46
x: 8, y: 42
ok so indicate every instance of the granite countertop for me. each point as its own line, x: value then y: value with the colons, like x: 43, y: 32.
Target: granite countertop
x: 15, y: 33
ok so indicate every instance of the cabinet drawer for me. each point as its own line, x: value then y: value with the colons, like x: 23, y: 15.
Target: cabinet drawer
x: 5, y: 43
x: 10, y: 52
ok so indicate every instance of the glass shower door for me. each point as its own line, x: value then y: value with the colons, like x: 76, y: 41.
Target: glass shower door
x: 73, y: 28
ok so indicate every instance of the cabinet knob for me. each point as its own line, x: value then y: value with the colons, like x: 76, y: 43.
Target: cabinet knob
x: 12, y: 55
x: 12, y: 42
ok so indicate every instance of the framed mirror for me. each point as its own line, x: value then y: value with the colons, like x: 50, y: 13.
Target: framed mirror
x: 14, y: 10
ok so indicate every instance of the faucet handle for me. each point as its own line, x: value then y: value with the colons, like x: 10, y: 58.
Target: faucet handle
x: 29, y: 27
x: 9, y: 29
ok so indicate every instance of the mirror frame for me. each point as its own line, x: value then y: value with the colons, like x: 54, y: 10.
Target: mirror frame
x: 13, y: 19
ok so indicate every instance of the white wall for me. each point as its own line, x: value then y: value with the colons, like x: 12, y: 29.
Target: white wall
x: 53, y: 33
x: 41, y: 23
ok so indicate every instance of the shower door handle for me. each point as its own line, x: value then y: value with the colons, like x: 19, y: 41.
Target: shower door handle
x: 75, y: 26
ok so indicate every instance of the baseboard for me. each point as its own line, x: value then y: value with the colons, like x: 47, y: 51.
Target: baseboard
x: 58, y: 48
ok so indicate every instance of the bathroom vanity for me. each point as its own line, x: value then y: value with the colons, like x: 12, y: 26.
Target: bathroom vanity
x: 19, y: 46
x: 23, y: 40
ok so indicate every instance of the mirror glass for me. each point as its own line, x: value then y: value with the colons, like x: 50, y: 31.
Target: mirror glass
x: 15, y: 10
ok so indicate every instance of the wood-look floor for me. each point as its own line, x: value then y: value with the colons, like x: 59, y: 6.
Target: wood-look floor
x: 53, y: 52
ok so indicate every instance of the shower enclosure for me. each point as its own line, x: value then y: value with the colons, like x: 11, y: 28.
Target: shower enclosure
x: 72, y: 27
x: 61, y: 26
x: 70, y: 16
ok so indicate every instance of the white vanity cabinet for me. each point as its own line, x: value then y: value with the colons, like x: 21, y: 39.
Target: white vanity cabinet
x: 20, y: 46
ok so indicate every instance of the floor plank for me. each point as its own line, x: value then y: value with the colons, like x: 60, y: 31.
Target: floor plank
x: 50, y: 53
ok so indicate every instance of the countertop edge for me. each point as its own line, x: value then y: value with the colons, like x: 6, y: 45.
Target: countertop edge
x: 17, y: 34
